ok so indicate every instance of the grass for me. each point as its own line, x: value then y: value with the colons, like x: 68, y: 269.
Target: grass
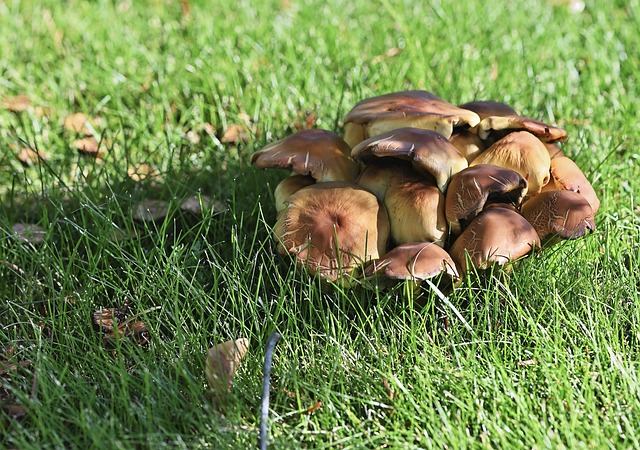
x: 547, y: 356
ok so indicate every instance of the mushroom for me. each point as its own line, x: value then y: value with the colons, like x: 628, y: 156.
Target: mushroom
x: 418, y: 109
x: 496, y: 236
x: 332, y: 228
x: 289, y: 186
x: 428, y: 151
x: 416, y: 209
x: 378, y: 173
x: 320, y: 154
x: 487, y: 108
x: 472, y: 188
x: 523, y: 152
x: 415, y: 261
x: 554, y: 150
x: 567, y: 176
x: 468, y: 144
x: 559, y: 215
x: 543, y: 131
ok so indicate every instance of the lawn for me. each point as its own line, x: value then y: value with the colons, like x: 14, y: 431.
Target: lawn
x: 178, y: 96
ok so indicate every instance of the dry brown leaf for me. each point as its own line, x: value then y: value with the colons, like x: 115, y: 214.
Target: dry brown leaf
x: 18, y: 103
x: 7, y: 366
x: 113, y: 324
x: 29, y: 157
x: 81, y: 123
x: 139, y: 172
x: 235, y: 134
x: 195, y: 203
x: 34, y: 234
x: 527, y: 362
x: 390, y: 53
x: 313, y: 408
x: 89, y: 147
x: 15, y: 411
x: 150, y: 210
x: 222, y: 362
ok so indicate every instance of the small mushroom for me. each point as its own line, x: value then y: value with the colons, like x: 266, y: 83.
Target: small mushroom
x: 415, y: 261
x: 416, y: 209
x: 428, y: 151
x: 468, y: 144
x: 523, y: 152
x: 543, y: 131
x: 559, y: 215
x: 487, y: 108
x: 496, y: 236
x: 332, y: 228
x: 418, y: 109
x: 289, y: 186
x: 567, y: 176
x: 320, y: 154
x: 472, y: 188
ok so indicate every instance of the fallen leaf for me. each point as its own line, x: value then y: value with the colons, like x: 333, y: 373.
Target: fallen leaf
x: 34, y: 234
x: 18, y: 103
x: 235, y: 134
x: 7, y: 366
x: 15, y: 411
x: 114, y: 324
x: 81, y: 123
x: 150, y: 210
x: 139, y: 172
x: 89, y: 147
x: 390, y: 53
x: 527, y: 362
x: 388, y: 390
x: 315, y: 407
x: 195, y: 203
x: 29, y: 157
x: 223, y: 361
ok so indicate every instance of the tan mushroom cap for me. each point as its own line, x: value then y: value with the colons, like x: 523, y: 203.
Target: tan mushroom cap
x: 428, y: 151
x: 487, y: 108
x: 468, y: 144
x: 554, y: 150
x: 472, y: 188
x: 495, y: 236
x: 544, y: 131
x: 413, y: 261
x: 332, y: 228
x: 378, y: 173
x: 523, y: 152
x: 418, y: 109
x: 561, y: 214
x: 289, y: 186
x: 320, y: 154
x: 567, y: 176
x: 416, y: 209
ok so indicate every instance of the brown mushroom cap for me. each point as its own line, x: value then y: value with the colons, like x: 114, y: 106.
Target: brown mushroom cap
x: 332, y: 228
x: 468, y: 144
x: 413, y: 261
x: 495, y: 236
x: 554, y: 150
x: 523, y: 152
x: 562, y: 214
x: 289, y: 186
x: 418, y: 109
x: 416, y: 209
x: 378, y: 173
x: 567, y: 176
x: 486, y: 108
x: 471, y: 188
x: 428, y: 151
x: 320, y: 154
x: 543, y: 131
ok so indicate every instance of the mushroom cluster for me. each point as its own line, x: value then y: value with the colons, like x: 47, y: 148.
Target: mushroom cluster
x: 418, y: 188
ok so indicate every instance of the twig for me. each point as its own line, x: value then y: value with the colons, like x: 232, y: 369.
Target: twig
x: 264, y: 416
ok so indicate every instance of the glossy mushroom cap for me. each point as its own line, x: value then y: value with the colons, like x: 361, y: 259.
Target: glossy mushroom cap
x: 289, y: 186
x: 413, y: 261
x: 495, y: 236
x: 567, y: 176
x: 523, y: 152
x: 320, y: 154
x: 472, y: 188
x: 378, y: 173
x: 543, y: 131
x: 561, y: 214
x: 332, y: 228
x: 418, y: 109
x: 428, y: 151
x: 487, y: 108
